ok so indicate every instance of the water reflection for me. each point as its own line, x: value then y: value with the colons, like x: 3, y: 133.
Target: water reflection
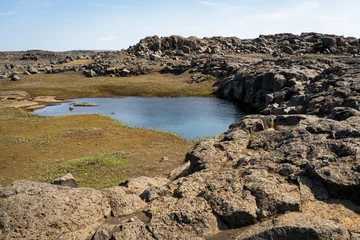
x: 191, y: 117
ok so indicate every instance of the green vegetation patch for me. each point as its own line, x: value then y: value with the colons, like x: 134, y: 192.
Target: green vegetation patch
x: 15, y: 114
x: 101, y: 171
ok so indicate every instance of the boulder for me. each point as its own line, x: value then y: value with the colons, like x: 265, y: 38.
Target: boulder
x: 138, y: 185
x: 296, y: 226
x: 32, y: 70
x: 182, y: 218
x: 121, y: 203
x: 32, y: 210
x: 68, y: 180
x: 155, y: 57
x: 14, y: 78
x: 288, y: 50
x: 90, y: 73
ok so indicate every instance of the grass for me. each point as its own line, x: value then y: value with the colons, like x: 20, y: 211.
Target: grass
x: 101, y: 171
x: 41, y: 148
x: 75, y: 85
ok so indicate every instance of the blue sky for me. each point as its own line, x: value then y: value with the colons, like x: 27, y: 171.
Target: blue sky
x: 115, y: 24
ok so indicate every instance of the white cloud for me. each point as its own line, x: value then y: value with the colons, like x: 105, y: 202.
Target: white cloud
x: 107, y: 38
x: 7, y: 13
x: 95, y: 4
x: 288, y: 13
x: 231, y: 8
x: 211, y: 3
x: 224, y: 7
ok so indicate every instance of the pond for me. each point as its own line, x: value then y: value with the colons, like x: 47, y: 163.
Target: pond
x: 190, y: 117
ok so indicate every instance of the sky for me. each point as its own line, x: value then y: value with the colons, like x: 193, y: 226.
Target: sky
x: 60, y: 25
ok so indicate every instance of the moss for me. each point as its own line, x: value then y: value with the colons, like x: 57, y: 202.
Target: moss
x: 101, y: 171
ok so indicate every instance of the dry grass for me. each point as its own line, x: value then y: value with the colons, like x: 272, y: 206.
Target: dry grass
x: 42, y: 148
x: 75, y: 85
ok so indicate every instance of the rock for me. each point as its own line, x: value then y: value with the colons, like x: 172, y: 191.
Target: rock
x: 68, y: 180
x: 155, y: 57
x: 180, y: 171
x: 3, y: 76
x: 288, y: 50
x: 229, y: 200
x: 138, y: 185
x: 135, y: 230
x: 329, y: 42
x: 32, y: 70
x: 182, y: 219
x: 125, y: 72
x: 32, y: 210
x: 295, y: 226
x: 121, y: 203
x: 90, y: 73
x: 14, y: 78
x: 26, y: 73
x: 343, y: 113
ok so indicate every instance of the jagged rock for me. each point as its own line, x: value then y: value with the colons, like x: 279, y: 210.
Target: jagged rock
x: 343, y: 113
x: 125, y: 230
x: 121, y: 203
x: 14, y: 78
x: 40, y: 211
x: 288, y: 50
x: 154, y: 57
x: 133, y: 231
x: 179, y: 171
x: 138, y: 185
x: 32, y: 70
x: 229, y: 199
x: 182, y: 218
x: 296, y: 226
x: 90, y: 73
x: 68, y: 180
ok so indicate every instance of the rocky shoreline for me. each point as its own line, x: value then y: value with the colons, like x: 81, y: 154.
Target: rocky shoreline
x: 289, y: 170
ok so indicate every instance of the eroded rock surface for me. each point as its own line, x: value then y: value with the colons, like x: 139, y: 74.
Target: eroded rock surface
x: 32, y: 210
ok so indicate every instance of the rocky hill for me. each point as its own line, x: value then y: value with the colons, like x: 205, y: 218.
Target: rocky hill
x: 288, y: 170
x: 306, y: 43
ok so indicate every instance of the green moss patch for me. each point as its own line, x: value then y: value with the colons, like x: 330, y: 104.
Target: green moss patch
x: 101, y: 171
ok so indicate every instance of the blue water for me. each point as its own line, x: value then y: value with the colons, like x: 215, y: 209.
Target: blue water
x: 190, y: 117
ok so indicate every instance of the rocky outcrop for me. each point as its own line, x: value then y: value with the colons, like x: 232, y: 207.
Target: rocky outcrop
x: 303, y: 85
x: 125, y: 68
x: 277, y: 44
x: 296, y: 226
x: 32, y: 210
x: 290, y: 176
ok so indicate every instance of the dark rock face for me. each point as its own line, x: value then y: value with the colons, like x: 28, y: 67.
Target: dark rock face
x: 269, y: 44
x: 296, y: 86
